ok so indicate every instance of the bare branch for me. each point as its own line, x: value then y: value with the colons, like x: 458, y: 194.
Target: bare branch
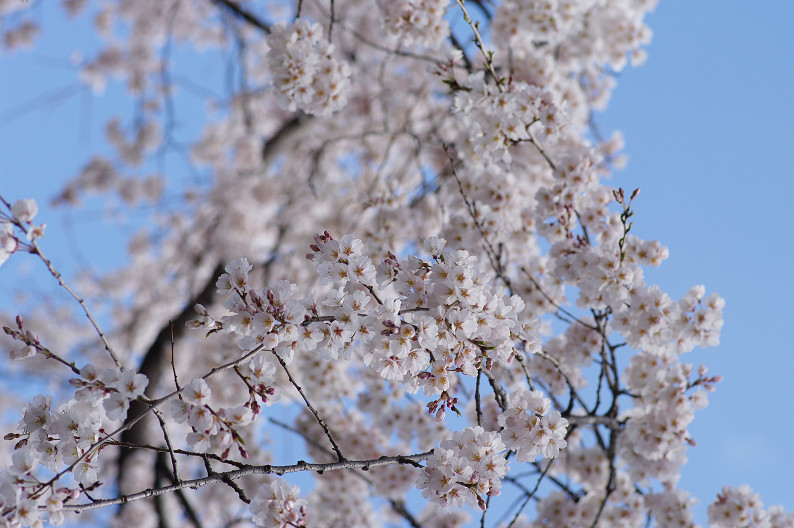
x: 413, y: 460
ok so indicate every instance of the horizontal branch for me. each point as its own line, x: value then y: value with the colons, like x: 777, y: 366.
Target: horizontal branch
x: 255, y: 470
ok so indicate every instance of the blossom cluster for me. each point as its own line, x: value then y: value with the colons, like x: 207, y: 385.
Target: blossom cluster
x: 501, y: 157
x: 64, y: 436
x: 263, y: 319
x: 672, y: 508
x: 278, y: 505
x: 416, y: 21
x: 738, y: 508
x: 530, y: 428
x: 18, y: 487
x: 655, y: 438
x: 465, y: 468
x: 552, y: 38
x: 623, y: 508
x: 211, y: 429
x: 21, y: 216
x: 306, y: 76
x: 440, y: 317
x: 492, y: 120
x: 651, y: 321
x: 431, y: 320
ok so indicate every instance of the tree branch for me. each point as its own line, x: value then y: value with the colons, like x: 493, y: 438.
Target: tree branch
x: 240, y: 12
x: 254, y: 470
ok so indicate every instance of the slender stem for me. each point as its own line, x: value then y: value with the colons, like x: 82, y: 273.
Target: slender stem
x: 36, y: 250
x: 479, y: 43
x: 312, y: 409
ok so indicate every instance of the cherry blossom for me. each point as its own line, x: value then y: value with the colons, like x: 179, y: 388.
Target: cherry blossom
x: 396, y: 264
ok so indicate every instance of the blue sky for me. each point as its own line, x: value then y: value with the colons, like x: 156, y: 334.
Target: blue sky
x: 708, y: 129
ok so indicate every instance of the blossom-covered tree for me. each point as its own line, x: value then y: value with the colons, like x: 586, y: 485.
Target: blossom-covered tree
x: 398, y: 236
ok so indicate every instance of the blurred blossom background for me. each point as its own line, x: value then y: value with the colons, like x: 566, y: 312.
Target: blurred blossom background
x: 707, y: 122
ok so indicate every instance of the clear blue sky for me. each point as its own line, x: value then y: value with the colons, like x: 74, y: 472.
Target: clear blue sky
x: 708, y: 128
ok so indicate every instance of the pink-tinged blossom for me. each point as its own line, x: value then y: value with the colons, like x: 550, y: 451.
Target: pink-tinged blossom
x: 180, y: 410
x: 278, y: 505
x: 417, y: 22
x: 85, y: 473
x: 495, y: 156
x: 306, y: 74
x: 116, y: 406
x: 23, y: 461
x: 197, y: 392
x: 8, y: 242
x: 130, y: 384
x: 738, y: 508
x: 25, y: 210
x: 530, y: 429
x: 464, y: 468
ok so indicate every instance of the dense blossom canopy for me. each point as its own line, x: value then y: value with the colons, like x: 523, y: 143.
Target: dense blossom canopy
x: 398, y: 270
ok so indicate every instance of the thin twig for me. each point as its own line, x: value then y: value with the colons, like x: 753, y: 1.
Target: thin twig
x: 397, y: 506
x: 553, y: 303
x: 36, y: 250
x: 479, y: 43
x: 212, y: 456
x: 190, y: 511
x: 167, y: 438
x: 531, y: 494
x: 477, y: 402
x: 312, y: 409
x: 498, y: 391
x: 152, y: 404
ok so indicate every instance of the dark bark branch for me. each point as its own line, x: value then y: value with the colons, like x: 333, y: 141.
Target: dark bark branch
x: 240, y: 12
x: 155, y: 365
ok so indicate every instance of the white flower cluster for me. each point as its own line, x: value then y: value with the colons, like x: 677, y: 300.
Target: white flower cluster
x: 306, y: 76
x: 416, y: 21
x: 114, y: 389
x: 212, y: 430
x: 440, y: 318
x: 530, y: 429
x: 588, y: 30
x: 490, y: 120
x: 278, y: 505
x: 738, y: 508
x: 22, y: 212
x: 530, y: 23
x: 17, y: 487
x: 64, y: 436
x: 267, y: 319
x: 656, y: 436
x: 671, y: 509
x: 622, y: 509
x: 650, y: 320
x: 464, y: 468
